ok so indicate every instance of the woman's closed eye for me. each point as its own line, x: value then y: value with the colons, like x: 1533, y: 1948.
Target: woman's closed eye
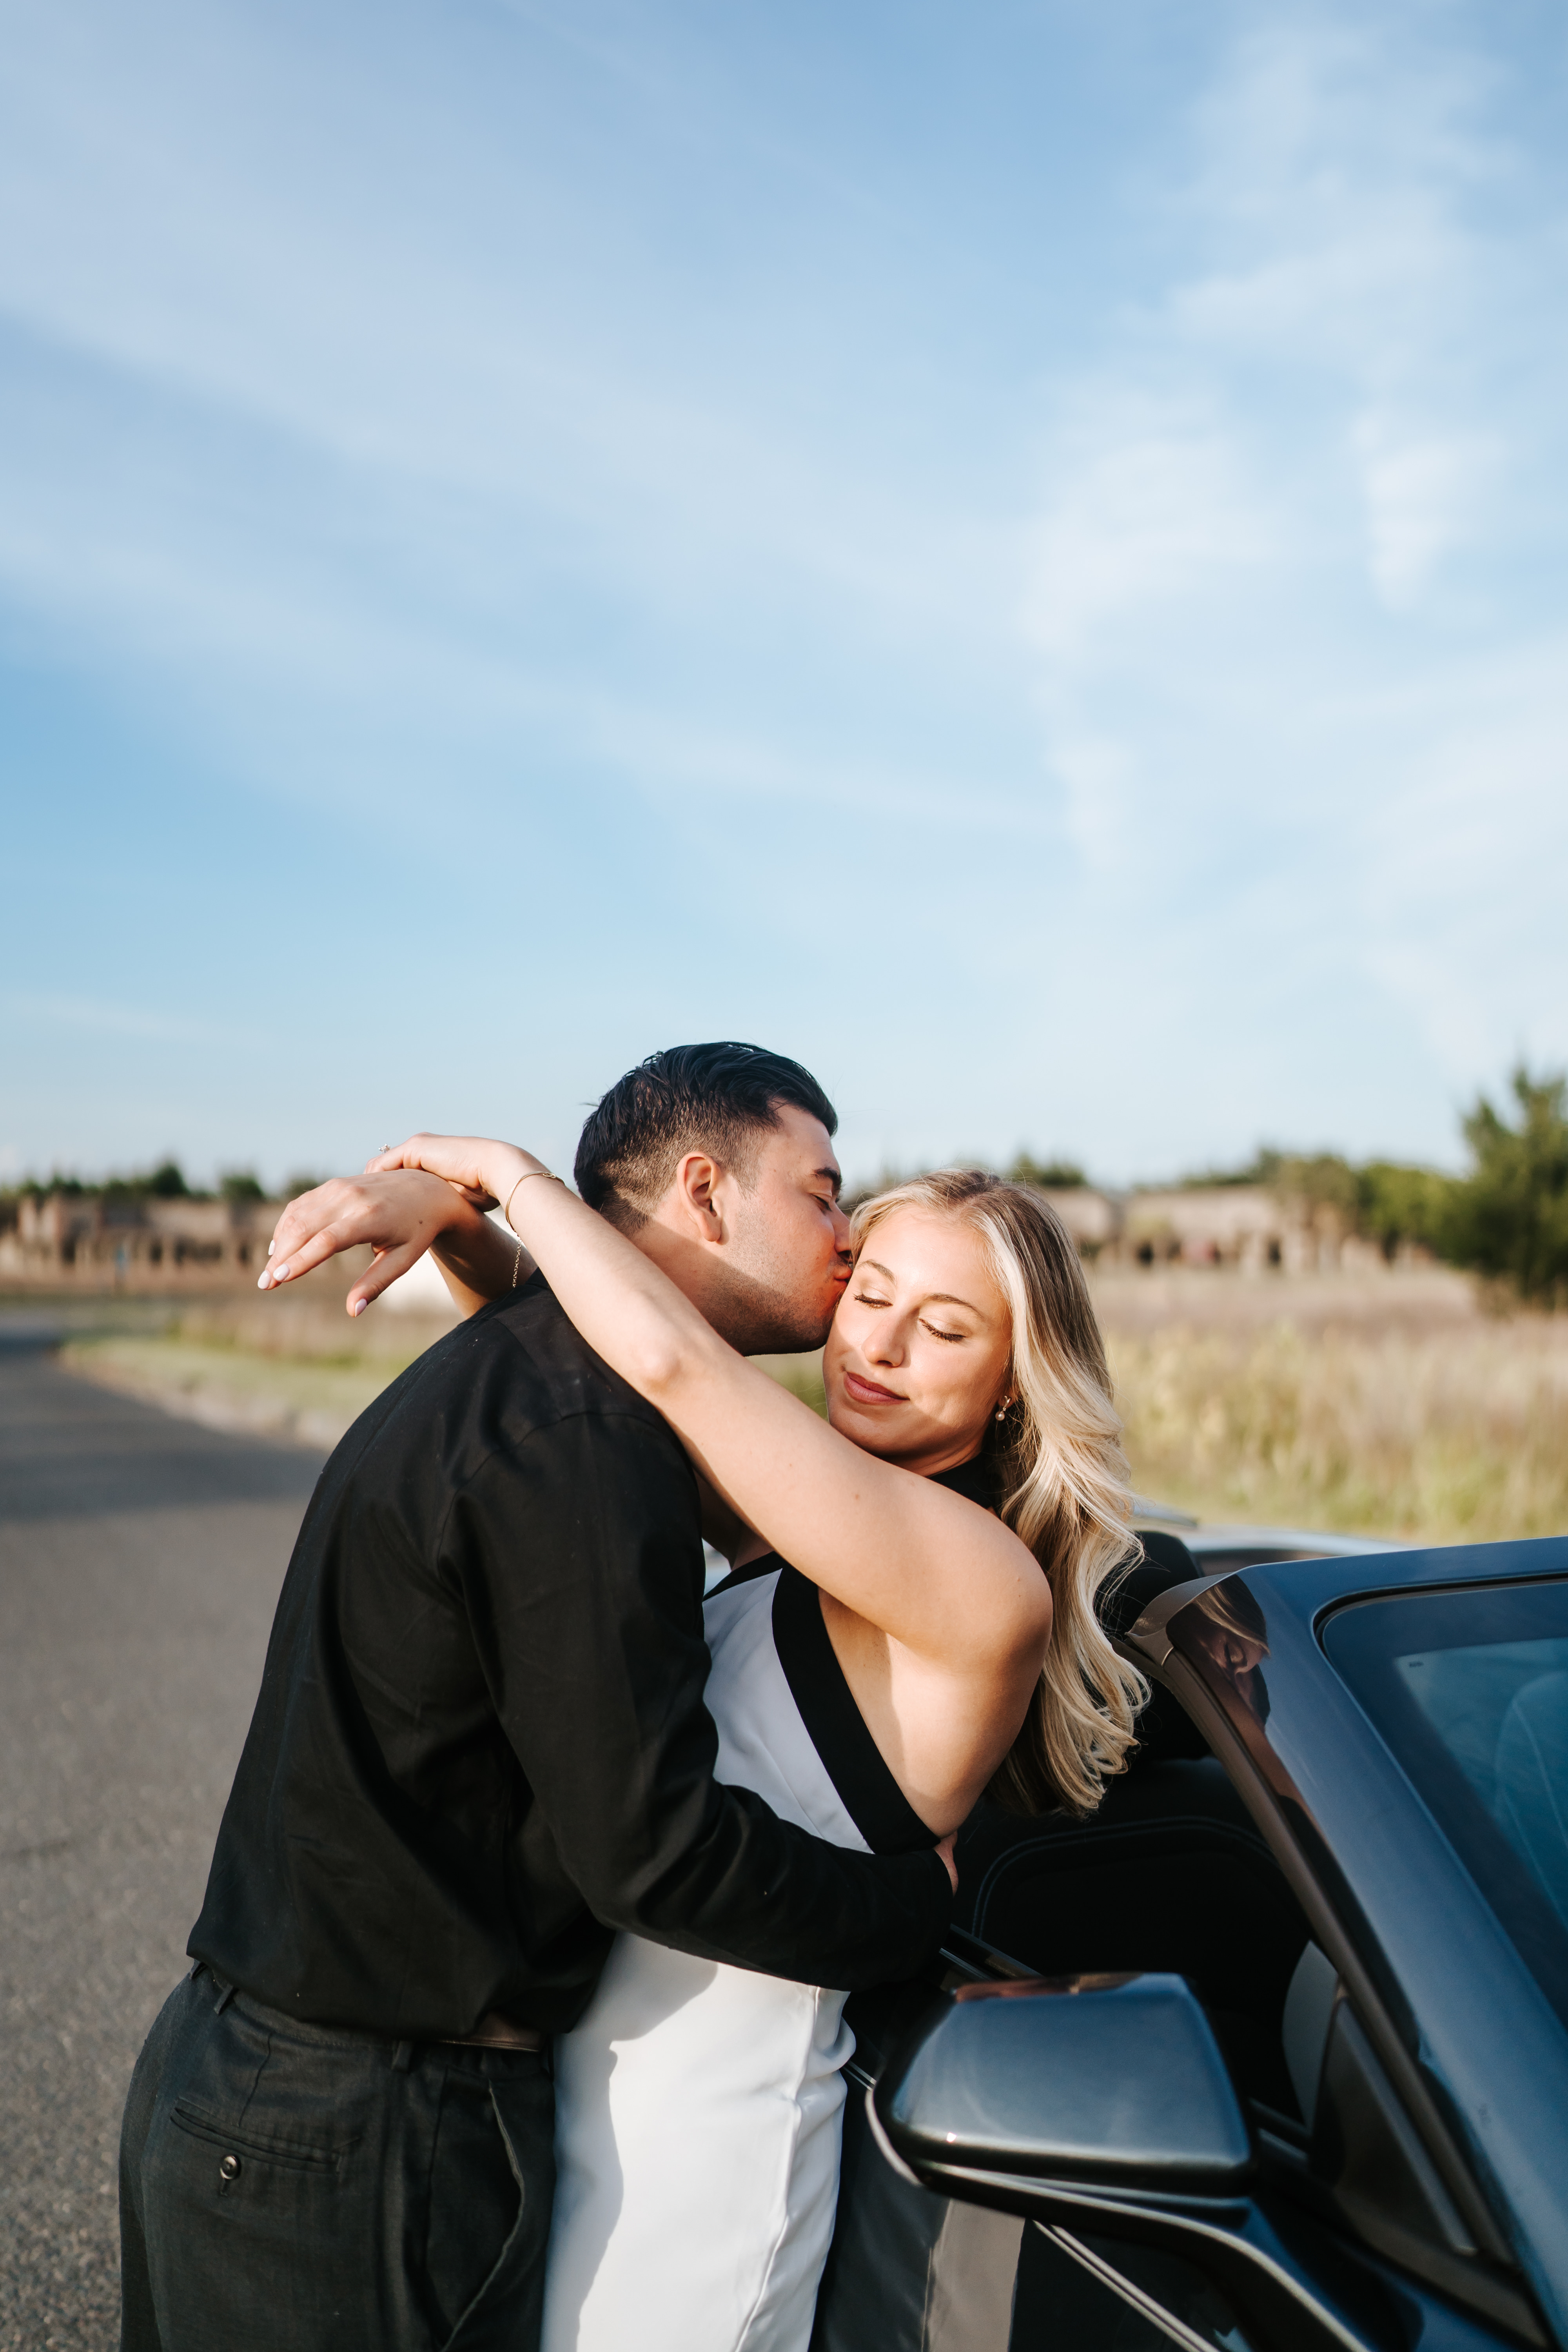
x: 938, y: 1333
x: 870, y: 1298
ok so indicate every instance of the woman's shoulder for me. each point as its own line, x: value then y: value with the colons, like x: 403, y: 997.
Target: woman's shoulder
x: 1162, y: 1562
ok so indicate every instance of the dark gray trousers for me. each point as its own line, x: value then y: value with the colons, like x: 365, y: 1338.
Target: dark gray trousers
x: 288, y: 2188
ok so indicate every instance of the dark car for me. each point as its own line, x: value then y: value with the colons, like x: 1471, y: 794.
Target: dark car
x: 1275, y: 2055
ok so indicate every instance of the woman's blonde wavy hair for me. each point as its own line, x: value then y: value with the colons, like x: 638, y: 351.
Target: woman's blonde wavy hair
x: 1063, y: 1478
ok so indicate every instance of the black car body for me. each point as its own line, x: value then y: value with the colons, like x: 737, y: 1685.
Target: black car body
x: 1366, y: 2147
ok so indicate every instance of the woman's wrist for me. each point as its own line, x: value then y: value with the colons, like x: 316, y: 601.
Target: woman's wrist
x: 519, y: 1167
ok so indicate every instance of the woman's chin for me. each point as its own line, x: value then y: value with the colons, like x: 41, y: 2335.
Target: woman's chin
x: 867, y: 1429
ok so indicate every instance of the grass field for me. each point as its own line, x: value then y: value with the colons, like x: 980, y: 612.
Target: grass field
x: 1376, y: 1404
x: 292, y: 1367
x: 1379, y: 1405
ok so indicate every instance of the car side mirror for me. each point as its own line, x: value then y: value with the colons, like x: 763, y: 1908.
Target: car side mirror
x: 1052, y: 2095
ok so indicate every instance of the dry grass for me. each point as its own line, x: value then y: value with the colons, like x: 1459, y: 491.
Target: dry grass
x: 291, y: 1367
x: 1388, y: 1409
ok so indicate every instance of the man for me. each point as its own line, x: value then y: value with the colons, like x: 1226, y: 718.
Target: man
x: 479, y: 1749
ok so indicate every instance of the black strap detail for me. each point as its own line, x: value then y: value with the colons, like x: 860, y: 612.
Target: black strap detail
x: 747, y: 1575
x: 855, y: 1764
x: 978, y: 1480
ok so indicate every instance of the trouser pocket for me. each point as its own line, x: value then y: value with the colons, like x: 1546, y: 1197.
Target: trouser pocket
x: 504, y: 2315
x: 259, y: 2203
x: 239, y: 2147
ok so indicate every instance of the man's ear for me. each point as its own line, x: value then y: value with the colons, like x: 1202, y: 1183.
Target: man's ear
x: 697, y: 1181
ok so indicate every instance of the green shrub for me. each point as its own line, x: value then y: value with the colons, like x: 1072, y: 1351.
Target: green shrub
x: 1509, y: 1218
x: 1397, y: 1203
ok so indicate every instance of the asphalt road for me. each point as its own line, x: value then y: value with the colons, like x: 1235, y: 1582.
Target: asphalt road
x: 139, y: 1559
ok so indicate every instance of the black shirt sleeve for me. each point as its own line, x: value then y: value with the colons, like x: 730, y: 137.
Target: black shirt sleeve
x: 573, y: 1554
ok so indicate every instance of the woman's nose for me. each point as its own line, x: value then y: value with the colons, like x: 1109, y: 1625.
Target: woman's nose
x: 886, y: 1345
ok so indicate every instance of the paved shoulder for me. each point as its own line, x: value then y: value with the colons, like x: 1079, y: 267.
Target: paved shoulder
x: 139, y: 1561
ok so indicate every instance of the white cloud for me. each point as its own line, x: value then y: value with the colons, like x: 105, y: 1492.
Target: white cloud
x: 1422, y: 492
x: 1150, y: 505
x: 1287, y: 681
x: 438, y: 347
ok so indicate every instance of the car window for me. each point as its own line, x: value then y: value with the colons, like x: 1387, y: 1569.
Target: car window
x: 1469, y: 1688
x: 1076, y: 2292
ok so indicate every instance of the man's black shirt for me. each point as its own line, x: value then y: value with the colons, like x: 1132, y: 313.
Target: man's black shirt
x: 480, y: 1745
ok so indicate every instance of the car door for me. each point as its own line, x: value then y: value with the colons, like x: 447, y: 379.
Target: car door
x: 1403, y: 2079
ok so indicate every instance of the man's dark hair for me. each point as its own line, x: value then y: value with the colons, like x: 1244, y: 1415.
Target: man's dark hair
x: 719, y: 1098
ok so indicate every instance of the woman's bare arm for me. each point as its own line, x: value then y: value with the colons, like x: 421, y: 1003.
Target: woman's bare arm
x: 944, y: 1579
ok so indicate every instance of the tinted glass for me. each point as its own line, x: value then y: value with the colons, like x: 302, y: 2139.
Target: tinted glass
x: 1223, y: 1634
x: 1061, y: 2304
x: 1469, y: 1687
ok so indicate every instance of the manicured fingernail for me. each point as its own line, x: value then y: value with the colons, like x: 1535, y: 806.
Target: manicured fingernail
x: 359, y: 1307
x: 270, y: 1248
x: 263, y: 1281
x: 281, y: 1274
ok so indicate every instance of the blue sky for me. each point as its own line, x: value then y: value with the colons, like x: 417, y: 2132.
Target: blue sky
x: 1019, y: 553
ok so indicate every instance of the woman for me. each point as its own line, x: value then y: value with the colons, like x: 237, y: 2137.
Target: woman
x: 913, y: 1656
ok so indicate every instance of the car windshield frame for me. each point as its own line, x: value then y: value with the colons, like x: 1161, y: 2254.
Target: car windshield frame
x: 1370, y: 1643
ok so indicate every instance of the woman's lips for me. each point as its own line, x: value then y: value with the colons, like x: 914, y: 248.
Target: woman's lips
x: 865, y: 1392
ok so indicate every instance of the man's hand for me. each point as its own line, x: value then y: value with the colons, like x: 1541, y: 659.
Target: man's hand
x: 946, y: 1857
x: 399, y: 1216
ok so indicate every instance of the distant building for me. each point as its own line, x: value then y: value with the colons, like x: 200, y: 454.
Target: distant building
x: 1244, y: 1225
x: 1093, y: 1219
x: 1248, y: 1226
x: 121, y: 1241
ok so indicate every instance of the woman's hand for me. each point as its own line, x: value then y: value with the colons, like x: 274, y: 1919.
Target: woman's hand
x: 486, y: 1172
x: 400, y: 1216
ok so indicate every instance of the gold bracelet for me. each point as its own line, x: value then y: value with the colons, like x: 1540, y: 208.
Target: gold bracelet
x: 511, y: 1196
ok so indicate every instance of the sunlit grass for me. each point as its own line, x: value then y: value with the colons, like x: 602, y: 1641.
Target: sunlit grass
x: 233, y: 1388
x: 293, y: 1366
x: 1457, y: 1436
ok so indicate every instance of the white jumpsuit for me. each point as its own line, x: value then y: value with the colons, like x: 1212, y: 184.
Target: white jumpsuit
x: 699, y: 2106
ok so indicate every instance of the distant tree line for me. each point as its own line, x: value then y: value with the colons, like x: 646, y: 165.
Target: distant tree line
x: 1505, y: 1219
x: 166, y: 1182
